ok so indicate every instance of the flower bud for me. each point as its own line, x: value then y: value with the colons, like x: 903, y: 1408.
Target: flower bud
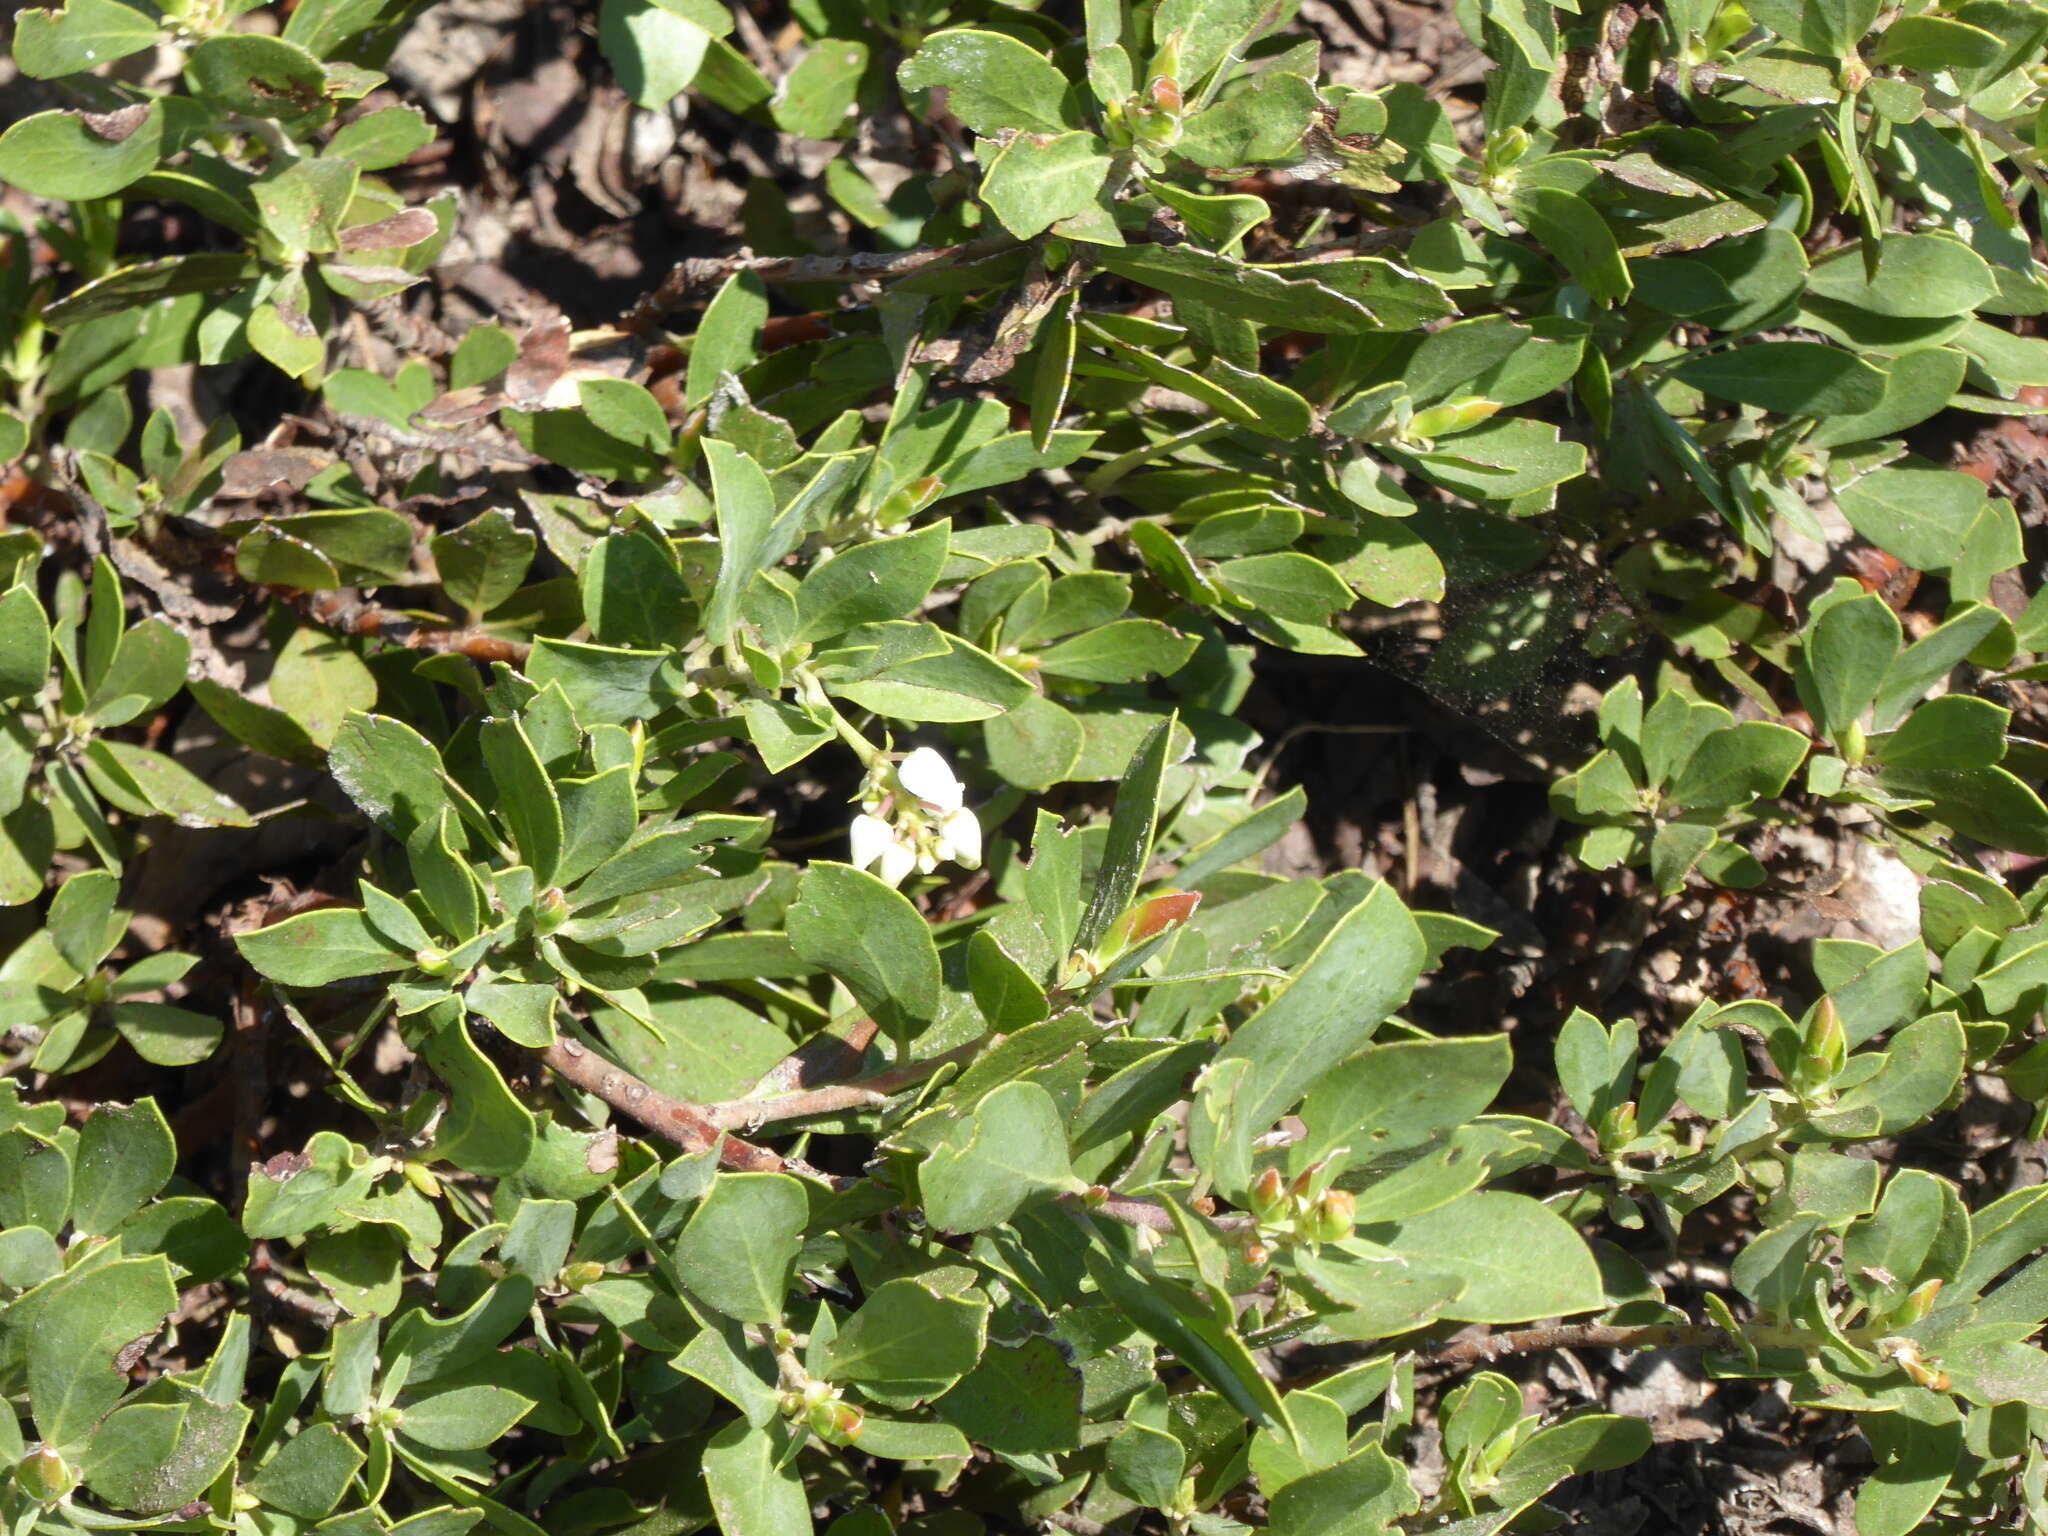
x: 1507, y: 148
x: 1256, y: 1253
x: 1617, y: 1127
x: 835, y: 1422
x: 1451, y: 416
x: 1267, y: 1193
x: 576, y: 1276
x: 1146, y: 920
x: 422, y: 1178
x: 1918, y: 1303
x: 1822, y: 1052
x: 551, y: 910
x: 1329, y: 1219
x: 45, y: 1476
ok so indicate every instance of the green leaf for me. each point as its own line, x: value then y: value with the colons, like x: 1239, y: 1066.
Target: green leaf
x: 1036, y: 180
x: 818, y: 93
x: 1593, y: 1442
x: 992, y: 82
x: 1930, y: 43
x: 166, y: 1035
x: 1360, y: 1496
x: 484, y: 561
x: 1363, y: 970
x: 257, y: 76
x: 1128, y: 848
x: 1915, y: 1447
x: 125, y: 1157
x: 754, y: 1485
x: 1401, y: 1095
x: 485, y: 1129
x: 1847, y: 653
x: 1739, y: 763
x: 741, y: 1243
x: 77, y: 1333
x: 1990, y: 804
x: 1953, y: 731
x: 77, y: 39
x: 655, y: 52
x: 1012, y: 1148
x: 1571, y: 229
x: 1287, y: 585
x: 1265, y: 122
x: 24, y: 644
x: 1146, y: 1464
x: 746, y: 533
x: 867, y: 933
x: 910, y: 1339
x: 82, y: 921
x: 729, y: 336
x: 1167, y: 1313
x: 1919, y: 277
x: 310, y: 1472
x: 1233, y: 288
x: 1793, y: 378
x: 378, y: 140
x: 391, y: 772
x: 315, y: 949
x: 463, y: 1418
x: 77, y: 155
x: 1830, y: 28
x: 526, y: 798
x: 1520, y: 1260
x: 1022, y: 1399
x: 1922, y: 1064
x: 155, y: 1457
x: 965, y: 683
x: 1920, y: 514
x: 319, y: 681
x: 870, y: 583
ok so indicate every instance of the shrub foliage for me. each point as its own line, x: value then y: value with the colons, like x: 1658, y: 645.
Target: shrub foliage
x: 723, y: 1181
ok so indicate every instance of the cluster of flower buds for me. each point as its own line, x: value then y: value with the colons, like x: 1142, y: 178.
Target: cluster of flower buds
x: 824, y: 1412
x: 1297, y: 1212
x: 912, y: 818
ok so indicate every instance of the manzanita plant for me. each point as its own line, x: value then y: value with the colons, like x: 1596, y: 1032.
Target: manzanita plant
x: 654, y: 1168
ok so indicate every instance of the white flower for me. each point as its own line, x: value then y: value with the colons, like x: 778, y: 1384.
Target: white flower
x: 924, y: 774
x: 960, y: 838
x: 913, y: 818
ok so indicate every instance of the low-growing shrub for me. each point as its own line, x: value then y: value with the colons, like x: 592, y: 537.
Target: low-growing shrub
x: 780, y: 1022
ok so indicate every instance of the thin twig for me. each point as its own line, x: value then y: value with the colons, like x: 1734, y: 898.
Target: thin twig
x: 836, y: 1098
x: 486, y: 445
x: 1528, y: 1341
x: 699, y: 272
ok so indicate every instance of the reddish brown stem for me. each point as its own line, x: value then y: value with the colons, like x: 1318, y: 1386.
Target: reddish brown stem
x: 673, y: 1120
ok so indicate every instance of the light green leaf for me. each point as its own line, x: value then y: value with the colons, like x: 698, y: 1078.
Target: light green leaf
x: 1013, y: 1148
x: 1520, y: 1260
x: 992, y: 82
x: 737, y: 1251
